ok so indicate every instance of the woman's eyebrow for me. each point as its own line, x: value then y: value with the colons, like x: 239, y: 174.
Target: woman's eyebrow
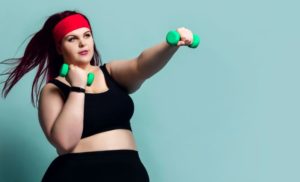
x: 75, y: 35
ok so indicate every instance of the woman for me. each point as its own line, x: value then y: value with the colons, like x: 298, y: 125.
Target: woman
x: 88, y: 125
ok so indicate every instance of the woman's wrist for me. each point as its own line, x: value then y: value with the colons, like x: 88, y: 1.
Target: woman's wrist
x: 77, y: 89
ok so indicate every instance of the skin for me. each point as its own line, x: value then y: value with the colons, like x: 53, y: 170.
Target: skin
x: 62, y: 122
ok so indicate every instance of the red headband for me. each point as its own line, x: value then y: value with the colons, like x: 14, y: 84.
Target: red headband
x: 69, y: 24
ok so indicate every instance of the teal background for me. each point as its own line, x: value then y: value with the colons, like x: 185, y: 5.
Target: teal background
x: 227, y: 111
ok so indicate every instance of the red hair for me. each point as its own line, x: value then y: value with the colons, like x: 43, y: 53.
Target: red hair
x: 41, y: 52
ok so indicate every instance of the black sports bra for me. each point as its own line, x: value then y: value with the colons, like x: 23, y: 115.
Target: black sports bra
x: 104, y: 111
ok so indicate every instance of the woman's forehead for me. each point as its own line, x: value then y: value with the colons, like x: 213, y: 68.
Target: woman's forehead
x: 78, y: 31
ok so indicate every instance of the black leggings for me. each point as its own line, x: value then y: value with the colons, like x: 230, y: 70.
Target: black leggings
x: 122, y: 165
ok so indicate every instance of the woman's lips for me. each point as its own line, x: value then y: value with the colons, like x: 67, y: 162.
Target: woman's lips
x: 83, y: 52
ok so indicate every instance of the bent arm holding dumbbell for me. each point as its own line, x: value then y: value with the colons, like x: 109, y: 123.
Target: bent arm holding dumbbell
x: 68, y: 126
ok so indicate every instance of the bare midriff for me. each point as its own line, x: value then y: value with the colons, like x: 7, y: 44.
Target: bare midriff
x: 108, y: 140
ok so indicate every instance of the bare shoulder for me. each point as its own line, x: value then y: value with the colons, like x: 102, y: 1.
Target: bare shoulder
x: 126, y: 73
x: 50, y: 88
x: 108, y: 67
x: 47, y: 88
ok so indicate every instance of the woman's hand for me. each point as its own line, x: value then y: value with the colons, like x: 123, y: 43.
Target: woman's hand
x: 186, y: 36
x: 76, y: 76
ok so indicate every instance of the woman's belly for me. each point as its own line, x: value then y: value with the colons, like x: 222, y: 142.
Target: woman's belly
x: 109, y: 140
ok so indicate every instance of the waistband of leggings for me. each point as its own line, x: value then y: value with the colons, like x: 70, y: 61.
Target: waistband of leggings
x: 110, y: 155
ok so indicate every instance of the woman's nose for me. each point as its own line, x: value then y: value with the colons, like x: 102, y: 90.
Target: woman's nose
x: 82, y: 42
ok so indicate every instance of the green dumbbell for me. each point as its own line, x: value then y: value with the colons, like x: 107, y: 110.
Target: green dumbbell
x: 64, y: 70
x: 173, y: 37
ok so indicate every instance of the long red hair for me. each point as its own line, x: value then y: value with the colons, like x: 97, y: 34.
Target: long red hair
x: 41, y: 52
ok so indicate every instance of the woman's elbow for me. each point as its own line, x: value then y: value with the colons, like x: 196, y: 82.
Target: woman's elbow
x: 64, y: 144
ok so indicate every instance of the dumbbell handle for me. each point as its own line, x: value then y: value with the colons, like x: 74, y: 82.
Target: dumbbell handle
x: 64, y: 70
x: 173, y: 37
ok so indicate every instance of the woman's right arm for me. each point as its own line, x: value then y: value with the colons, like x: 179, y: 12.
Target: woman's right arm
x: 62, y: 122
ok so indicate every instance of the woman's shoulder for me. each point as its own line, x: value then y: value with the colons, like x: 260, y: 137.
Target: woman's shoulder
x: 49, y: 85
x: 59, y: 80
x: 107, y: 67
x: 52, y: 87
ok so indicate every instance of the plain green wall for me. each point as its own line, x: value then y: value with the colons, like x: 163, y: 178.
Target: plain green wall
x: 227, y: 111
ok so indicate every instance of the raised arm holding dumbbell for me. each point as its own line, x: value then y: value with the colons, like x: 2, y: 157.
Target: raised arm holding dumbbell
x: 153, y: 59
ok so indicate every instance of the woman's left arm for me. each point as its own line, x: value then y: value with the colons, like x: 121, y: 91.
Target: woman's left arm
x: 132, y: 73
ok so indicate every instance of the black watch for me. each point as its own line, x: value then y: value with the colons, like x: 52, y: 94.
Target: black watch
x: 77, y: 89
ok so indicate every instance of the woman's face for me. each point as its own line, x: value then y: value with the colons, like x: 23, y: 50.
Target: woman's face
x: 77, y: 47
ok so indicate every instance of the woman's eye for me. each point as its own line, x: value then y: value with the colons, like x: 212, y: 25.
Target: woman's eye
x: 87, y: 35
x: 71, y: 39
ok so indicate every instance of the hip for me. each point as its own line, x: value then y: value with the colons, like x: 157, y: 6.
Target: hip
x: 110, y: 165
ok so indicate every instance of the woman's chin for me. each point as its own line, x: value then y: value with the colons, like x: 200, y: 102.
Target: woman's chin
x: 84, y: 61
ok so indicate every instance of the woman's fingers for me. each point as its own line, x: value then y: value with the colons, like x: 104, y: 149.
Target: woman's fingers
x: 186, y: 36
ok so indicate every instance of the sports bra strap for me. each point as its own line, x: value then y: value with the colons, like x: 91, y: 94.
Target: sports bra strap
x: 110, y: 80
x: 62, y: 87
